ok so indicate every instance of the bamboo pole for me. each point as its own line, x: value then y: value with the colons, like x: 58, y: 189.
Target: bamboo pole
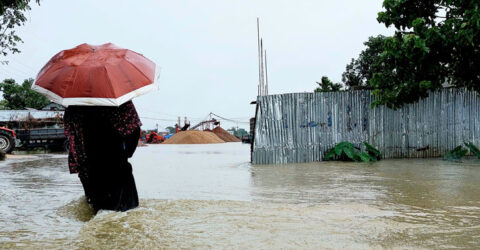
x: 262, y: 73
x: 259, y: 59
x: 266, y: 74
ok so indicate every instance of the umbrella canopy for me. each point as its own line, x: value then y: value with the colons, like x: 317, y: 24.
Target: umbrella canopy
x: 104, y: 75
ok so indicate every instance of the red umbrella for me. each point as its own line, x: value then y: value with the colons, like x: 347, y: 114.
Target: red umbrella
x: 103, y: 75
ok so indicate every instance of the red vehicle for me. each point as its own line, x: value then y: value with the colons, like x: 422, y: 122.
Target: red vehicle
x: 154, y: 137
x: 7, y: 140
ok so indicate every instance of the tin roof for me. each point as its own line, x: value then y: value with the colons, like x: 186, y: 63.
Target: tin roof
x: 23, y: 115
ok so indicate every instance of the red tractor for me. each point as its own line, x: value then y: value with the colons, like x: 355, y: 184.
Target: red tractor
x: 154, y: 137
x: 7, y: 140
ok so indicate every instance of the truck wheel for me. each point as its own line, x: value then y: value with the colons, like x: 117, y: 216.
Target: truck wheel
x: 66, y: 146
x: 7, y: 143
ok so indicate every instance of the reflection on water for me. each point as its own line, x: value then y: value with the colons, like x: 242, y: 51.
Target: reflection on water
x: 432, y: 203
x: 209, y: 196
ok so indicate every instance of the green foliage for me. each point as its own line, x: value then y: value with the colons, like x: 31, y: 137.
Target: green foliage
x: 372, y: 151
x: 456, y: 154
x: 473, y: 149
x: 170, y: 129
x: 346, y: 151
x: 21, y: 96
x: 238, y: 132
x: 364, y: 157
x: 12, y: 14
x: 459, y: 152
x: 330, y: 155
x: 408, y: 71
x: 436, y: 42
x: 325, y: 85
x: 359, y: 71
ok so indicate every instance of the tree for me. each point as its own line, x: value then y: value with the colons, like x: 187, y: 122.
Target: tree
x: 21, y: 96
x: 359, y: 71
x: 353, y: 77
x: 170, y: 129
x: 238, y: 132
x: 12, y: 14
x: 327, y: 86
x: 436, y: 43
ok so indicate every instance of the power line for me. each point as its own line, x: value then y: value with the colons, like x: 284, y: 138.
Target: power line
x: 156, y: 112
x: 164, y: 114
x: 162, y: 119
x: 231, y: 120
x: 25, y: 65
x: 157, y: 119
x: 8, y: 72
x: 10, y: 66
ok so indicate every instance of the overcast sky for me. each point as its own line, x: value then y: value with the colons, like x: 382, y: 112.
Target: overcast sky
x: 207, y: 50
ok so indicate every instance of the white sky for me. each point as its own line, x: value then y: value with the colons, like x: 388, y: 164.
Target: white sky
x: 207, y: 49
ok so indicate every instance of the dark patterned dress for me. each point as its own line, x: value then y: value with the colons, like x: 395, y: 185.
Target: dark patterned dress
x: 101, y: 139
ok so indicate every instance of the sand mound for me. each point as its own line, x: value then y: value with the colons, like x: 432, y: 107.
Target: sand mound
x: 193, y: 137
x: 224, y: 135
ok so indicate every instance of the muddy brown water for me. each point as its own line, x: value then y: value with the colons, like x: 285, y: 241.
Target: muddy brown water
x: 209, y: 196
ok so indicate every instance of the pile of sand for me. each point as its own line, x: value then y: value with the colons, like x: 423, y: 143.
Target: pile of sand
x: 224, y: 135
x: 193, y: 137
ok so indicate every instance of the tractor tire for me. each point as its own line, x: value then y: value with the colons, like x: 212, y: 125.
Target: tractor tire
x: 7, y: 143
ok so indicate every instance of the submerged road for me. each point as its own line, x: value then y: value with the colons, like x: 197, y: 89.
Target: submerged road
x: 198, y: 196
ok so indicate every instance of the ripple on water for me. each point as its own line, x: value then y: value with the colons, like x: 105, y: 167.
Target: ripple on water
x: 237, y: 224
x: 78, y: 210
x: 246, y: 225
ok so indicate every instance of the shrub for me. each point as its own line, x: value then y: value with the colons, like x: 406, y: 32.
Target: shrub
x: 346, y: 151
x: 459, y: 152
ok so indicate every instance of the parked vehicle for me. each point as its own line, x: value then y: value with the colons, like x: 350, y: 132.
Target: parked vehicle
x: 32, y: 129
x: 247, y: 139
x: 7, y: 140
x: 48, y: 138
x: 154, y: 137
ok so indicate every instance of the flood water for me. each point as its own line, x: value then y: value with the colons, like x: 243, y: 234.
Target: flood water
x: 209, y: 196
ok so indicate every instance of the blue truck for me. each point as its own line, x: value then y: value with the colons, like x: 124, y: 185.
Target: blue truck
x: 25, y: 139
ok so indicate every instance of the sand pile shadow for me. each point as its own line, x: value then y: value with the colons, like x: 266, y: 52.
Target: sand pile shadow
x: 224, y: 135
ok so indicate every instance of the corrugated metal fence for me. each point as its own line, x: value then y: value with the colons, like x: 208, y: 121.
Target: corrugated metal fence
x: 301, y: 127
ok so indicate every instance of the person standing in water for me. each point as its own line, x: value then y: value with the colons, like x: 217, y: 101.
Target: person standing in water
x: 101, y: 139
